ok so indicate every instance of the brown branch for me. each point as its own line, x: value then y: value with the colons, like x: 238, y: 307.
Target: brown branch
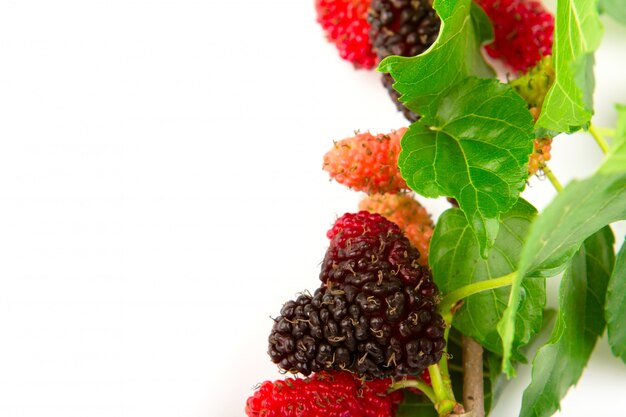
x: 473, y: 390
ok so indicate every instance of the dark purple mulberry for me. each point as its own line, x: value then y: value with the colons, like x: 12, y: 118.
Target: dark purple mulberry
x: 366, y: 248
x: 405, y: 28
x: 382, y: 330
x: 375, y: 313
x: 409, y: 114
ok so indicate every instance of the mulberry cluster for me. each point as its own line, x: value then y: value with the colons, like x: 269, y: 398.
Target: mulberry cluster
x: 367, y: 163
x: 345, y: 24
x: 328, y: 394
x: 523, y: 31
x: 408, y: 214
x: 374, y: 314
x: 405, y: 28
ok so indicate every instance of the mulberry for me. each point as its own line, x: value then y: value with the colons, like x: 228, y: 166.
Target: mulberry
x: 367, y: 163
x: 408, y: 114
x: 534, y: 85
x: 408, y: 214
x: 375, y: 313
x: 327, y: 394
x: 378, y: 330
x: 405, y: 28
x: 367, y: 248
x: 345, y: 24
x: 540, y: 155
x: 523, y: 31
x: 402, y: 27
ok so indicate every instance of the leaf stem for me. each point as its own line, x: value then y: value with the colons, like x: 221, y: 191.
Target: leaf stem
x: 599, y: 139
x: 457, y: 295
x: 605, y: 131
x: 415, y: 383
x: 555, y: 182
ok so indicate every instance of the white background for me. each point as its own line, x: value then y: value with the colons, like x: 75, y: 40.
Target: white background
x: 161, y: 195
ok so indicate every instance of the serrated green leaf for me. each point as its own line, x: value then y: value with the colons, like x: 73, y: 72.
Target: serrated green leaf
x: 615, y: 8
x: 616, y: 306
x: 475, y: 135
x: 579, y: 211
x: 475, y: 148
x: 559, y: 364
x: 568, y: 106
x: 455, y: 262
x: 454, y: 56
x: 583, y: 208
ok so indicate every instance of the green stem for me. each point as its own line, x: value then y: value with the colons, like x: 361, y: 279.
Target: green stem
x: 605, y: 131
x: 457, y: 295
x: 445, y: 373
x: 555, y: 182
x: 440, y: 373
x: 599, y: 139
x: 445, y: 407
x: 445, y: 401
x: 441, y: 393
x: 415, y: 383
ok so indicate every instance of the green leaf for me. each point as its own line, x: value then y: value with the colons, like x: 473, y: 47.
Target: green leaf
x: 580, y: 210
x: 454, y: 56
x: 616, y: 306
x: 568, y: 106
x: 616, y: 158
x: 620, y: 130
x: 496, y: 378
x: 583, y: 208
x: 475, y: 148
x: 455, y: 262
x: 475, y: 135
x: 560, y: 362
x: 615, y: 8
